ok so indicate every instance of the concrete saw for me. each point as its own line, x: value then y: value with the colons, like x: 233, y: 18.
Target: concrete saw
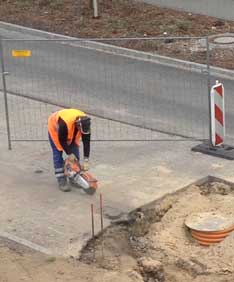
x: 79, y: 178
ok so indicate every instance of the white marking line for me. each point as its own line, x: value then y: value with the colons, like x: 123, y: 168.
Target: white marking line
x: 25, y: 243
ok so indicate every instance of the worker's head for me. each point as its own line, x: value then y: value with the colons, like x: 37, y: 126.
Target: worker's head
x: 83, y: 124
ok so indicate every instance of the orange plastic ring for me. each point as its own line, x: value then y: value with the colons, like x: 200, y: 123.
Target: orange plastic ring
x: 207, y: 235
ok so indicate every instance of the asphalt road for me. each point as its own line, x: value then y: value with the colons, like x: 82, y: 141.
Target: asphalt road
x: 213, y: 8
x: 125, y: 89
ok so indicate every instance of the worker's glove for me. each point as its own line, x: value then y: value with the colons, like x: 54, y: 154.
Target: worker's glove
x: 86, y: 164
x: 72, y: 158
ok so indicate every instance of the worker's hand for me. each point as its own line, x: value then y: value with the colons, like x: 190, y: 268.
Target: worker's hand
x: 72, y: 158
x: 86, y: 164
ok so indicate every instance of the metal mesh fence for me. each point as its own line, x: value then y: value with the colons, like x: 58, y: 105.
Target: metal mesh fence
x: 32, y: 124
x: 131, y: 95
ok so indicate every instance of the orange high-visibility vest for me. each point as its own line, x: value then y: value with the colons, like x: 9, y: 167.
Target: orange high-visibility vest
x: 69, y: 116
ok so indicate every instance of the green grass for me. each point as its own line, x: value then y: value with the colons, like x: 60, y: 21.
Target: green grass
x: 56, y: 4
x: 184, y: 25
x: 50, y: 259
x: 24, y: 3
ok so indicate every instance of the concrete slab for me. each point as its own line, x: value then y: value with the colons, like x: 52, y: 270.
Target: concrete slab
x: 130, y: 174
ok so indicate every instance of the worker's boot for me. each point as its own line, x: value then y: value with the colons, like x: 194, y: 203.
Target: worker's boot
x: 63, y: 185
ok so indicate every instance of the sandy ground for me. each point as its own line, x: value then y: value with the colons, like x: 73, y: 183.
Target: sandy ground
x: 198, y: 263
x: 159, y: 247
x: 21, y: 264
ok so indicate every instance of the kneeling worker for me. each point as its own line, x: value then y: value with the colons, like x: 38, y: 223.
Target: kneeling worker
x: 66, y: 127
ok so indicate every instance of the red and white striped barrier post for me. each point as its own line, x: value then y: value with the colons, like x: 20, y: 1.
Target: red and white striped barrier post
x: 217, y: 114
x: 216, y: 146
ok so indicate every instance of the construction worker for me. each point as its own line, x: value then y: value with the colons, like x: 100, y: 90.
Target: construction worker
x: 66, y: 127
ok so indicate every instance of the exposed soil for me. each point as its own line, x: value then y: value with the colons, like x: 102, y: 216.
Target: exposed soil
x: 124, y: 18
x: 19, y: 264
x: 155, y: 244
x: 151, y: 244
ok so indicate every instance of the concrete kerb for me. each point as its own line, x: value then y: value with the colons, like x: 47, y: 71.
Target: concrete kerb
x: 25, y: 243
x: 139, y: 55
x: 46, y: 251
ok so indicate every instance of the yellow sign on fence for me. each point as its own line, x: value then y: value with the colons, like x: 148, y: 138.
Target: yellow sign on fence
x: 21, y: 53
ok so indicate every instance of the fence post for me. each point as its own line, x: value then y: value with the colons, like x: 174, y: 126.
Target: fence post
x: 4, y: 73
x: 208, y: 85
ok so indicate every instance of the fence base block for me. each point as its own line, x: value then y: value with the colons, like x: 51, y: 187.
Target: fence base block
x: 223, y: 151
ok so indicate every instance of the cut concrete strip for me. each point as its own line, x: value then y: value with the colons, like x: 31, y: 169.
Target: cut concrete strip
x: 26, y: 243
x: 139, y: 55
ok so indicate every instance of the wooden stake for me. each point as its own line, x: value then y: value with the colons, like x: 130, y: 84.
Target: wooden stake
x: 92, y: 219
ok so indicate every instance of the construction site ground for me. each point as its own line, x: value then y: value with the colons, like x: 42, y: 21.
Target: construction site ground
x: 44, y: 230
x: 154, y: 245
x: 54, y: 226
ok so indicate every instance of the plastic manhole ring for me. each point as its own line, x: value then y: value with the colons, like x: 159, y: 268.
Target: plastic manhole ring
x: 224, y: 40
x: 209, y: 222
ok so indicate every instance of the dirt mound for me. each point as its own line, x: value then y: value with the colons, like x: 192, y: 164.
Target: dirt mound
x: 155, y: 245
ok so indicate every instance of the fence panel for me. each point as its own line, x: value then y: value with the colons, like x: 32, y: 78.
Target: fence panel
x: 121, y: 90
x: 222, y: 56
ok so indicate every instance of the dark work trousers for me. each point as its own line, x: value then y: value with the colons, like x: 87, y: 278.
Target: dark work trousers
x: 58, y: 158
